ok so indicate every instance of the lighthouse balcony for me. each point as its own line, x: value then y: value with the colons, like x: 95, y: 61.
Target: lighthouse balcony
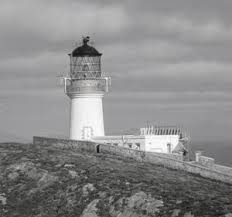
x: 83, y: 86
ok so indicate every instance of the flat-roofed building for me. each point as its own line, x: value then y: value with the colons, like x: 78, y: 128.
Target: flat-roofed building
x: 152, y: 139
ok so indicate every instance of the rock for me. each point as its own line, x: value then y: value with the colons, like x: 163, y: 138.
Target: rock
x: 27, y: 168
x: 137, y: 199
x: 58, y: 165
x: 73, y: 173
x: 188, y: 214
x: 69, y: 165
x: 91, y: 209
x: 3, y: 199
x: 175, y: 212
x: 46, y: 180
x: 145, y: 202
x: 22, y: 167
x: 111, y: 199
x: 138, y: 205
x: 34, y: 174
x: 73, y: 187
x: 102, y: 194
x: 13, y: 176
x: 228, y: 215
x: 87, y: 188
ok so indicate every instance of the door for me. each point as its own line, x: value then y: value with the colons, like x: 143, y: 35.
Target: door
x: 87, y: 133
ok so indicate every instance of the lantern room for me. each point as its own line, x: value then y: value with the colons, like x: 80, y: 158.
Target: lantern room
x: 85, y: 61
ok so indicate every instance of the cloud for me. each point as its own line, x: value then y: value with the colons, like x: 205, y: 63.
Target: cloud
x: 169, y: 60
x: 34, y: 26
x: 191, y: 69
x: 188, y: 30
x: 190, y: 102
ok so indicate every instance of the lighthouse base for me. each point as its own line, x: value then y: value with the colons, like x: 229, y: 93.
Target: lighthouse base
x: 86, y: 116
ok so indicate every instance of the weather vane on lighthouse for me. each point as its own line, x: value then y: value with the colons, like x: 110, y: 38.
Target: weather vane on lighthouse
x: 85, y: 85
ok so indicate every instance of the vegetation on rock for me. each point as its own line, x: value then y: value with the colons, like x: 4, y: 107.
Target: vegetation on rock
x: 47, y: 182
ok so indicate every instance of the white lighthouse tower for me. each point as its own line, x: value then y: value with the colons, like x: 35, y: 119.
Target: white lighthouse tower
x: 86, y: 85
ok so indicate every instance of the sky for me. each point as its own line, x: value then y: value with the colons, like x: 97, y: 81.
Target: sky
x: 170, y: 63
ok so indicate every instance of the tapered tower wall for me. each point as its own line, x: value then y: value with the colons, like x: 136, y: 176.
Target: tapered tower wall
x: 86, y: 116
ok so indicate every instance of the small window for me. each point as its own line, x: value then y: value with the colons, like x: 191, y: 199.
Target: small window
x: 115, y: 144
x: 169, y: 148
x: 181, y: 135
x: 130, y: 145
x: 137, y: 146
x: 108, y: 143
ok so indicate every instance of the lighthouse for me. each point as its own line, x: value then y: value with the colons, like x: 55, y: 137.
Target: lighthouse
x: 86, y: 85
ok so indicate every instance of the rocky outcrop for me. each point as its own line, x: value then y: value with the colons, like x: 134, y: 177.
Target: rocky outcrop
x: 49, y: 182
x: 138, y: 205
x: 91, y: 210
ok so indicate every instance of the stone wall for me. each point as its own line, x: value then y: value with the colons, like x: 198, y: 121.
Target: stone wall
x: 135, y: 154
x: 65, y: 144
x: 210, y: 163
x: 224, y: 169
x: 206, y: 161
x: 206, y: 169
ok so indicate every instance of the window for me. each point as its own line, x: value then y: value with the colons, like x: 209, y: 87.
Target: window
x: 169, y: 146
x: 130, y: 145
x: 115, y: 144
x: 85, y: 67
x: 137, y: 146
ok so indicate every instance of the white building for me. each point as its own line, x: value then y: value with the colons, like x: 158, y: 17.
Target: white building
x: 152, y: 139
x: 85, y: 85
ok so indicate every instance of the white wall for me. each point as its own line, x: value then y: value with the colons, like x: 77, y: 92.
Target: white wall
x: 86, y: 116
x: 158, y: 143
x: 123, y: 141
x: 151, y: 143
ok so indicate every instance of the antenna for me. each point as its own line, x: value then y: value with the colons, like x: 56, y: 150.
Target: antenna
x: 91, y: 42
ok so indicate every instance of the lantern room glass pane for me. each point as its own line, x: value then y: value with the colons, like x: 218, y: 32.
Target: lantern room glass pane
x: 85, y: 67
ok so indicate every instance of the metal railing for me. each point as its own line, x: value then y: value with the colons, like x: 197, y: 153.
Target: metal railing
x: 74, y: 85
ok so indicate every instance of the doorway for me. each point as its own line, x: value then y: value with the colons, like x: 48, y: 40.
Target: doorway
x: 98, y: 148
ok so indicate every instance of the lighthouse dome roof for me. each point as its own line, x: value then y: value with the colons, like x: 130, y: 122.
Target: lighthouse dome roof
x: 85, y: 49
